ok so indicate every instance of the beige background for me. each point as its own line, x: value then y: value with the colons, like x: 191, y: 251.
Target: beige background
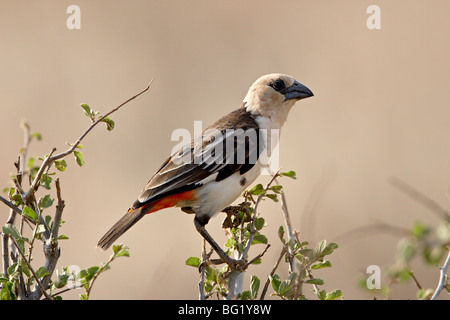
x: 381, y: 109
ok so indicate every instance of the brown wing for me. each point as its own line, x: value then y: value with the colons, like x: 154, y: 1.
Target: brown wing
x: 230, y: 145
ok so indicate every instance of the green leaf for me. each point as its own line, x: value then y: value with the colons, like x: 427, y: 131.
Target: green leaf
x: 291, y: 174
x: 259, y: 223
x: 257, y: 190
x: 281, y: 234
x: 63, y: 237
x: 254, y: 286
x: 120, y: 251
x: 109, y: 123
x: 62, y: 279
x: 246, y: 295
x: 12, y: 231
x: 193, y: 262
x: 333, y: 295
x: 45, y: 202
x: 276, y: 189
x: 321, y: 246
x: 88, y: 111
x: 29, y: 213
x: 275, y: 281
x: 61, y: 165
x: 36, y: 135
x: 84, y: 296
x: 79, y: 158
x: 42, y: 272
x: 315, y: 281
x: 259, y: 238
x: 320, y: 265
x: 46, y: 181
x: 273, y: 197
x: 8, y: 292
x: 322, y: 294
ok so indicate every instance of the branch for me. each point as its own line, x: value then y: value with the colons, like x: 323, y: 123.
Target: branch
x: 11, y: 206
x: 59, y: 210
x: 442, y: 277
x: 41, y: 287
x: 266, y: 285
x: 258, y: 200
x: 424, y: 200
x: 287, y: 220
x: 75, y: 145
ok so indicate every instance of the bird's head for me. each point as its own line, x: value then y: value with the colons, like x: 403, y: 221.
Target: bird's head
x: 273, y: 96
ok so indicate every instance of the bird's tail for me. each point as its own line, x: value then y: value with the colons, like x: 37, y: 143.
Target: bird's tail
x: 125, y: 223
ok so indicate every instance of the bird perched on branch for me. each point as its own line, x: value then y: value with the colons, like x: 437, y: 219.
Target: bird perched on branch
x: 212, y: 171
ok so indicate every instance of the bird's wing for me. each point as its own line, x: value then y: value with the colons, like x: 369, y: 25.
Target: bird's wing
x: 230, y: 145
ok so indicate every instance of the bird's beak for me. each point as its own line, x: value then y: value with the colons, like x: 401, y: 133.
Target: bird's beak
x: 297, y: 92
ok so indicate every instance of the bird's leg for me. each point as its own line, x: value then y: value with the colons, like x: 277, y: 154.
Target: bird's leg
x: 231, y: 262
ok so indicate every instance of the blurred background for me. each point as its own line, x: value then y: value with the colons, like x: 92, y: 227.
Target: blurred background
x: 380, y: 110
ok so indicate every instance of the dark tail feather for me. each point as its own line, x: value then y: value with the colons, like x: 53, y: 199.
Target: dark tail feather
x: 125, y: 223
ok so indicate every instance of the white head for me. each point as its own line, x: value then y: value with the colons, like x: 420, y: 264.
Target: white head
x: 273, y: 95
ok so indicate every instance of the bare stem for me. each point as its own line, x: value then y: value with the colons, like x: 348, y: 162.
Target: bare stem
x: 442, y: 276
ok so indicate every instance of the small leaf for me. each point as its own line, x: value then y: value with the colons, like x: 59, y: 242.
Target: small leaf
x: 79, y: 158
x: 257, y: 190
x: 45, y: 202
x: 63, y: 237
x: 291, y: 174
x: 259, y: 223
x: 88, y: 111
x: 42, y: 272
x: 281, y: 234
x: 193, y: 262
x: 276, y: 189
x: 275, y: 281
x: 273, y: 197
x: 46, y: 181
x: 61, y: 165
x: 254, y: 286
x: 333, y: 295
x: 28, y: 212
x: 109, y: 123
x: 322, y: 294
x: 36, y: 135
x: 259, y: 238
x: 8, y: 292
x: 320, y: 265
x: 315, y: 281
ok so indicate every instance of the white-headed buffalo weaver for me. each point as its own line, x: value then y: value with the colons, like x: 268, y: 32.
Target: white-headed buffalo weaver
x: 207, y: 175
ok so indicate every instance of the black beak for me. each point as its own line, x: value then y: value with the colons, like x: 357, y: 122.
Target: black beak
x: 297, y: 92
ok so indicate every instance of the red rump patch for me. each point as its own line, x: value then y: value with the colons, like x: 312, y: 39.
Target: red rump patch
x: 167, y: 202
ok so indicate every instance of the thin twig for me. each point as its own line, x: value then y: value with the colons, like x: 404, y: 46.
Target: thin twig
x: 259, y: 256
x: 442, y: 276
x: 11, y: 205
x: 415, y: 279
x: 418, y: 196
x: 287, y: 220
x: 253, y: 230
x: 75, y: 145
x: 266, y: 285
x: 37, y: 179
x: 59, y: 211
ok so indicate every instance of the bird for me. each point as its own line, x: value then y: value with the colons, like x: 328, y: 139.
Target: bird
x: 211, y: 172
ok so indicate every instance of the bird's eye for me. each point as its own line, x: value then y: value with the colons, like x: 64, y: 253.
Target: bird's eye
x: 278, y: 85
